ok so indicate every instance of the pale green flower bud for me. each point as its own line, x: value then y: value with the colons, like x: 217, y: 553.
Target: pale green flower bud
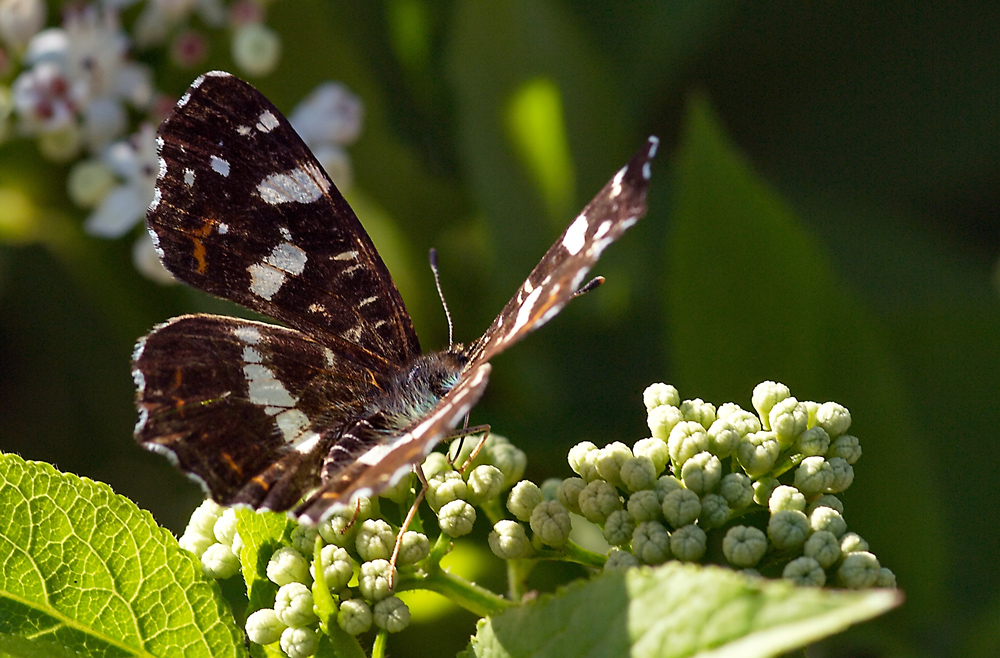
x: 698, y: 411
x: 264, y: 627
x: 204, y: 518
x: 814, y: 475
x: 811, y: 409
x: 656, y: 395
x: 294, y: 605
x: 702, y: 473
x: 523, y: 498
x: 714, y: 512
x: 219, y: 562
x: 569, y: 494
x: 225, y: 527
x: 364, y: 508
x: 444, y: 488
x: 762, y: 490
x: 609, y: 462
x: 788, y: 419
x: 886, y: 578
x: 340, y: 529
x: 551, y: 523
x: 645, y: 506
x: 373, y: 582
x: 299, y: 642
x: 287, y: 566
x: 859, y: 570
x: 813, y: 442
x: 686, y: 440
x: 354, y: 616
x: 786, y: 497
x: 510, y: 459
x: 196, y: 542
x: 461, y: 449
x: 582, y: 459
x: 737, y: 489
x: 681, y: 507
x: 638, y: 473
x: 765, y: 396
x: 338, y: 567
x: 847, y: 447
x: 237, y: 544
x: 376, y: 540
x: 256, y: 49
x: 834, y: 418
x: 391, y: 614
x: 651, y: 543
x: 723, y: 437
x: 826, y: 500
x: 788, y: 529
x: 852, y: 542
x: 664, y: 485
x: 744, y: 421
x: 824, y: 547
x: 435, y: 463
x: 843, y: 474
x: 485, y: 483
x: 457, y: 518
x: 550, y: 488
x: 597, y: 500
x: 757, y: 452
x: 744, y: 546
x: 509, y: 541
x: 662, y: 419
x: 653, y: 449
x: 414, y: 547
x: 619, y: 560
x: 401, y: 491
x: 618, y: 528
x: 688, y: 543
x: 827, y: 519
x: 304, y: 538
x: 805, y: 572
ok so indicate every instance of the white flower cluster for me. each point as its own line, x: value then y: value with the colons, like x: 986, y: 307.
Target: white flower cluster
x: 708, y: 469
x: 357, y: 546
x: 77, y: 91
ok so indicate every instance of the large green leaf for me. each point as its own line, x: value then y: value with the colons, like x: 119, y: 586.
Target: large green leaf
x: 672, y: 611
x: 87, y: 573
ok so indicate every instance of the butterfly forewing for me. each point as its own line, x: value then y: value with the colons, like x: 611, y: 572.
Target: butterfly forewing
x: 244, y: 211
x: 563, y: 268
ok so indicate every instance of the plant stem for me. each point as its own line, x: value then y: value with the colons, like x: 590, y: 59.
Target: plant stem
x: 472, y: 597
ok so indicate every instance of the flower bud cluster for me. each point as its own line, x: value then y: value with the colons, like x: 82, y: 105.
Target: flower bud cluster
x: 357, y: 544
x: 766, y: 482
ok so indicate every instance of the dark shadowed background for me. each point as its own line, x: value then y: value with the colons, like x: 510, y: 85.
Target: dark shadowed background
x: 823, y: 212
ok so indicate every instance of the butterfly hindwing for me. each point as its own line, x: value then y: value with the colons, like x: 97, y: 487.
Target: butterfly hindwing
x: 244, y: 211
x: 563, y: 268
x: 248, y: 409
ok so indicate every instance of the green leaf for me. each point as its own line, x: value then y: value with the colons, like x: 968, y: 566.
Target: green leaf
x: 676, y: 610
x: 262, y: 533
x: 87, y: 573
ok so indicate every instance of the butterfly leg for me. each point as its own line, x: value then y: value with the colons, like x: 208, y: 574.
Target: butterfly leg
x: 406, y: 522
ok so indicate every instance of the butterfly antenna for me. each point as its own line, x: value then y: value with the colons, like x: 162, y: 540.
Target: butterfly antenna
x: 444, y: 304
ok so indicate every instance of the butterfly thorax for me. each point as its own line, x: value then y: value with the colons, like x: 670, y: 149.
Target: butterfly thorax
x: 414, y: 390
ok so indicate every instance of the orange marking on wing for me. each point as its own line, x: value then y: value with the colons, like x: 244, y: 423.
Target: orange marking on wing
x: 232, y: 464
x: 259, y: 481
x: 199, y: 246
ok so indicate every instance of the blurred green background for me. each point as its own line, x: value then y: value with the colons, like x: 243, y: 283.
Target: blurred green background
x: 823, y: 212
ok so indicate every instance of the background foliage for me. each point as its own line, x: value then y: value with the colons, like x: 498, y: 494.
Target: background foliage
x: 824, y: 212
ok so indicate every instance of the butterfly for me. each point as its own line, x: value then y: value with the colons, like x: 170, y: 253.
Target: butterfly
x: 340, y: 401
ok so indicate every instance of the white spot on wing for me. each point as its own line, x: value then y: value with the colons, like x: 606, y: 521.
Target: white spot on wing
x: 188, y: 176
x: 157, y: 195
x: 266, y: 391
x: 162, y: 171
x: 243, y: 131
x: 524, y: 313
x: 223, y: 228
x: 219, y: 165
x: 266, y: 122
x: 303, y: 184
x: 616, y: 182
x: 367, y: 300
x: 247, y: 334
x: 265, y: 280
x: 287, y: 257
x: 575, y: 236
x: 346, y: 255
